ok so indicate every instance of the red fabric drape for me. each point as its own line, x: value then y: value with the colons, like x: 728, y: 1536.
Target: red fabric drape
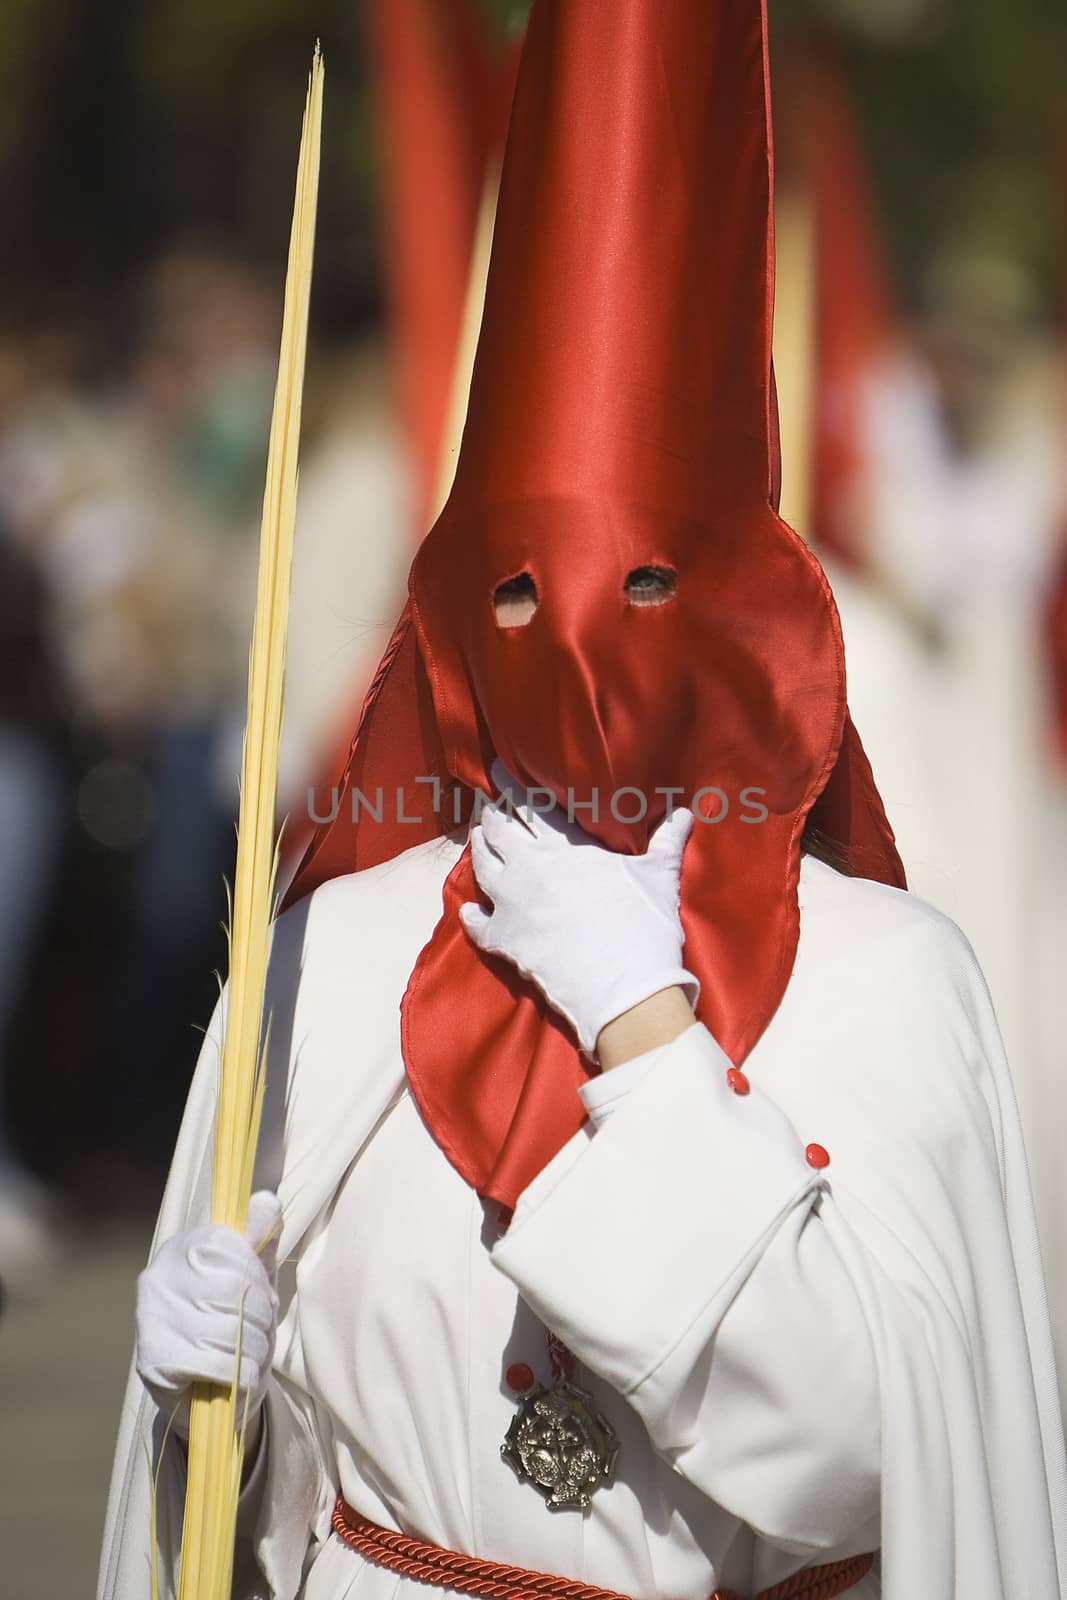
x: 1056, y: 614
x: 621, y: 415
x: 434, y: 75
x: 855, y: 313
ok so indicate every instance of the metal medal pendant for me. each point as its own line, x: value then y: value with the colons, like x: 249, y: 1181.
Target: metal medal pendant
x: 561, y: 1444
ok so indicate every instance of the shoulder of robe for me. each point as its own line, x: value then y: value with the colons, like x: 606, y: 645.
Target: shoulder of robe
x: 869, y: 933
x: 888, y: 1019
x: 357, y: 932
x: 340, y: 963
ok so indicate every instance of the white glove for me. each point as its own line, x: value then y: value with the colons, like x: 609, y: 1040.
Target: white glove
x: 202, y: 1292
x: 597, y: 932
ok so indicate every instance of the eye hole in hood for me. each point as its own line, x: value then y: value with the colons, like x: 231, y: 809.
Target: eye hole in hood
x: 650, y: 586
x: 515, y: 601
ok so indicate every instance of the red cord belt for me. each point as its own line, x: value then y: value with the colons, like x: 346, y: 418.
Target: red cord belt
x: 447, y: 1569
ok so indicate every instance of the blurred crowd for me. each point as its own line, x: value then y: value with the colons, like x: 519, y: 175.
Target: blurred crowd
x: 129, y: 519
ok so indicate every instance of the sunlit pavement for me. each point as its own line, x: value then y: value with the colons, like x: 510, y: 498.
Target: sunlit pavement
x: 63, y: 1363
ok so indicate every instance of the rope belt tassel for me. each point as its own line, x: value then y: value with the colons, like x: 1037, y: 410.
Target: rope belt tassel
x: 469, y: 1575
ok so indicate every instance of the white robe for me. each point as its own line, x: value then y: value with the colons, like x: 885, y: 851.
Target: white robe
x: 960, y: 735
x: 800, y: 1364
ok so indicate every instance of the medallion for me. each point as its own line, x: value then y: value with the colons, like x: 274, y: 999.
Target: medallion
x: 561, y: 1444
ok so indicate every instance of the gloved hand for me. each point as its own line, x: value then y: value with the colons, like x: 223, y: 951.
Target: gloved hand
x: 597, y: 932
x: 202, y: 1291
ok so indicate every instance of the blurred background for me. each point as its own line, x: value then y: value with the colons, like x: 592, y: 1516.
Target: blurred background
x: 147, y: 153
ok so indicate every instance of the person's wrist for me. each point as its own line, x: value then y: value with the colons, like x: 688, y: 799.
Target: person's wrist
x: 623, y: 986
x: 656, y: 1021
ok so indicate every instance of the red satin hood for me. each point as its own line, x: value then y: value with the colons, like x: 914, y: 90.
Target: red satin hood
x: 621, y: 416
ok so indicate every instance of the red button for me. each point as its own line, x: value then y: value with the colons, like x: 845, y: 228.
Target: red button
x: 816, y: 1156
x: 519, y: 1377
x: 737, y: 1081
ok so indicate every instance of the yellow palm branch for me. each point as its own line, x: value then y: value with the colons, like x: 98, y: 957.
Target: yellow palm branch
x: 216, y: 1440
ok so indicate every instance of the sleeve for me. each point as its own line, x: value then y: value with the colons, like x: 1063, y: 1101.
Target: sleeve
x: 285, y: 1506
x: 280, y: 1509
x: 603, y: 1095
x: 677, y: 1246
x: 148, y: 1480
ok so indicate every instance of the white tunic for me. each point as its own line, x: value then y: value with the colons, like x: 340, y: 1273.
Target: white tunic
x: 799, y: 1365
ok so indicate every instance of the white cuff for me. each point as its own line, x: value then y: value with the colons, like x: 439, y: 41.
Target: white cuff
x: 603, y: 1095
x: 653, y: 1221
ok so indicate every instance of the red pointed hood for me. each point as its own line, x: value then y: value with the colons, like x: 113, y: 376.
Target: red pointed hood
x: 438, y: 86
x: 621, y: 418
x: 856, y: 318
x: 1056, y: 603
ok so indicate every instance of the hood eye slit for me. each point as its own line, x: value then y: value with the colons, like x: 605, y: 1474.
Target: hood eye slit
x: 515, y: 601
x: 650, y: 586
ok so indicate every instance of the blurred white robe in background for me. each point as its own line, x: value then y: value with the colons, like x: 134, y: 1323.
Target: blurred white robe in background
x: 948, y: 681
